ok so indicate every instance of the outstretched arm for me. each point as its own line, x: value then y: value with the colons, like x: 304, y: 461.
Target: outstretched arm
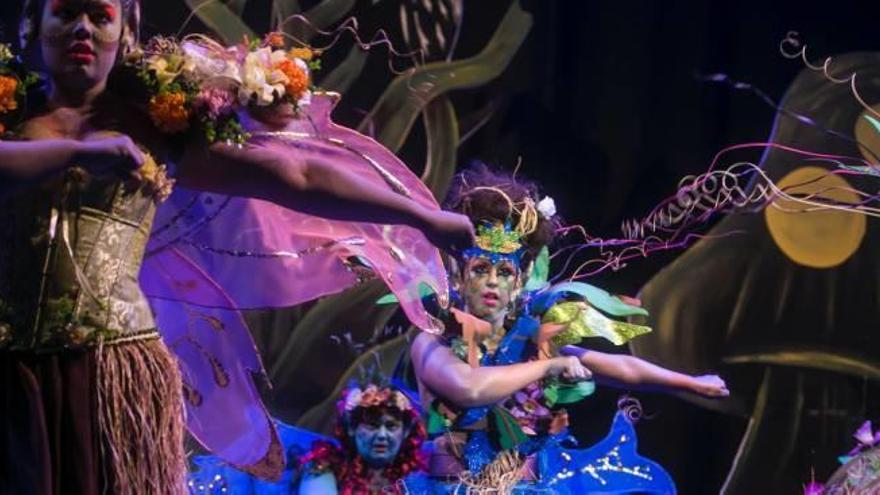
x: 315, y: 187
x: 26, y: 162
x: 626, y: 371
x: 438, y: 368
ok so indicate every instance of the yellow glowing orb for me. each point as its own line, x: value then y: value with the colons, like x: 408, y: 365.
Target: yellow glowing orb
x: 817, y: 239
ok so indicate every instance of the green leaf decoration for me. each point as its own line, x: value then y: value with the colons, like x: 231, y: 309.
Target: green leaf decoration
x: 436, y: 423
x: 551, y: 394
x: 540, y: 271
x: 410, y: 92
x: 816, y: 359
x: 569, y: 393
x: 510, y: 434
x: 600, y: 299
x: 425, y: 290
x: 874, y: 122
x: 441, y: 129
x: 582, y: 322
x: 346, y: 73
x: 222, y: 20
x: 387, y: 299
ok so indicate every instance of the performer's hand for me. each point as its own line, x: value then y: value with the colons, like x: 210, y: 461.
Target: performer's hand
x: 448, y: 230
x: 569, y: 368
x: 105, y: 155
x: 710, y: 386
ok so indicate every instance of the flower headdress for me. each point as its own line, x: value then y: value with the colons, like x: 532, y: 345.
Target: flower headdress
x: 374, y: 396
x: 199, y: 83
x: 14, y: 84
x: 341, y: 457
x: 500, y: 239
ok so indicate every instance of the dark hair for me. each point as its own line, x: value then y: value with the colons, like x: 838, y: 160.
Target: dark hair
x: 482, y: 205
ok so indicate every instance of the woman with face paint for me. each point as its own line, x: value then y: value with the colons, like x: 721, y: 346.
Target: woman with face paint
x: 494, y: 388
x: 379, y: 438
x: 90, y: 398
x: 377, y: 444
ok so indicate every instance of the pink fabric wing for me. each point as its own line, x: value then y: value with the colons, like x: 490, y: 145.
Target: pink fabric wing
x: 211, y: 256
x: 218, y: 361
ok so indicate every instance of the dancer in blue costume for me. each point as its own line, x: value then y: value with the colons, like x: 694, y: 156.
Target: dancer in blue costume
x: 494, y: 388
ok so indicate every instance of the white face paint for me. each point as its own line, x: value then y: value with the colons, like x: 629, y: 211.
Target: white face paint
x: 80, y: 40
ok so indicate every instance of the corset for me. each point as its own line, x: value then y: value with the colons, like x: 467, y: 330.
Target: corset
x: 70, y: 255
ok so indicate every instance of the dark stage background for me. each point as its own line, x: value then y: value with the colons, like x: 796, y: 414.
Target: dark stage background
x: 602, y: 106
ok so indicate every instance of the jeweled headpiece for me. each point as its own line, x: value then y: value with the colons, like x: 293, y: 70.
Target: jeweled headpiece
x: 496, y: 240
x: 498, y: 237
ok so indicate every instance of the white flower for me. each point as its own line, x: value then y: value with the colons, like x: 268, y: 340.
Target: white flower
x: 547, y: 207
x: 402, y: 401
x: 353, y: 399
x: 259, y: 79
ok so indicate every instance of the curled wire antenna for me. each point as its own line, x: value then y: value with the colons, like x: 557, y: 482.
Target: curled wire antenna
x: 348, y: 26
x: 792, y: 47
x: 742, y: 187
x: 631, y: 408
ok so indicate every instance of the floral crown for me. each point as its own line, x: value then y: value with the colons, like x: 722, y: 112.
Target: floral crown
x: 374, y: 396
x: 199, y: 83
x: 15, y: 81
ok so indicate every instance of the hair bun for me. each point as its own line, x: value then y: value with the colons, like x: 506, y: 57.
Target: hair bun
x: 487, y: 195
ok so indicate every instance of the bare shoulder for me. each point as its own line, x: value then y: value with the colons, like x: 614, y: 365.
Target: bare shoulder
x: 427, y: 348
x: 423, y: 342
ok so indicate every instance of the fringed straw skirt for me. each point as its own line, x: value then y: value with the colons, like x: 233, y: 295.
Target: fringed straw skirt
x: 106, y: 420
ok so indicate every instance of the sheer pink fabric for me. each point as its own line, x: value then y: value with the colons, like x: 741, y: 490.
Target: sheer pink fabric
x: 211, y: 256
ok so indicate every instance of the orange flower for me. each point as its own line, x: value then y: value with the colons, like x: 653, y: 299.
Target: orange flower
x: 301, y: 53
x: 275, y: 40
x: 297, y: 78
x: 169, y: 112
x: 8, y: 85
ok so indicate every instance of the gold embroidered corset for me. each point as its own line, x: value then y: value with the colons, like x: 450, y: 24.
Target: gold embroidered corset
x: 70, y: 254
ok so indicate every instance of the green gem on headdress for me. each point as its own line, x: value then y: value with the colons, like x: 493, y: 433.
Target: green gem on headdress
x: 498, y: 237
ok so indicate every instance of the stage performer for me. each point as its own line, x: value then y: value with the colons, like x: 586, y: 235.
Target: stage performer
x: 494, y: 391
x: 377, y: 444
x: 91, y: 400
